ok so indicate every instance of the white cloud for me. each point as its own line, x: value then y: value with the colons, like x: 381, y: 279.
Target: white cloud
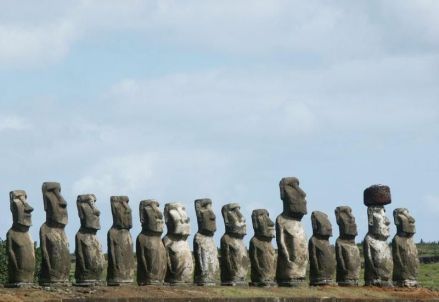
x: 342, y: 31
x: 34, y: 45
x: 13, y: 123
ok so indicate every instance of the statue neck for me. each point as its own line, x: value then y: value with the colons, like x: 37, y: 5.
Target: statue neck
x: 20, y: 228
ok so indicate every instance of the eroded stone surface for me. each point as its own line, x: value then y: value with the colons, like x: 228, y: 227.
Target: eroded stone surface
x: 150, y: 251
x: 378, y: 262
x: 205, y: 250
x: 19, y: 244
x: 262, y: 253
x: 88, y: 249
x: 291, y: 239
x: 405, y: 253
x: 120, y: 244
x: 321, y: 254
x: 180, y: 264
x: 346, y: 251
x: 55, y: 264
x: 234, y: 257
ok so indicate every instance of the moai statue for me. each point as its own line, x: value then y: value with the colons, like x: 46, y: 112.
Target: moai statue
x: 88, y: 250
x: 120, y: 269
x: 55, y: 265
x: 378, y: 263
x: 180, y: 264
x: 20, y: 246
x: 205, y: 251
x: 262, y: 254
x: 346, y: 251
x: 150, y: 251
x: 405, y: 253
x: 234, y: 257
x: 291, y: 239
x: 321, y: 253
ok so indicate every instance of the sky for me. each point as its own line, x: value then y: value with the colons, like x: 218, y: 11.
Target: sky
x: 180, y: 100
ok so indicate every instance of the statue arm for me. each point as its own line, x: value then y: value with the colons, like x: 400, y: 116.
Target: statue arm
x: 280, y: 239
x: 396, y: 252
x: 368, y: 254
x: 313, y: 254
x: 340, y: 257
x: 79, y: 254
x: 44, y: 252
x: 11, y: 252
x: 110, y: 246
x: 140, y: 253
x: 254, y: 257
x: 225, y: 250
x: 198, y: 257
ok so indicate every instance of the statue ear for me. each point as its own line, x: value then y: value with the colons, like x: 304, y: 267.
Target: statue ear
x: 314, y: 222
x: 225, y: 216
x: 337, y: 215
x: 370, y: 216
x: 395, y: 217
x: 141, y: 213
x: 80, y: 209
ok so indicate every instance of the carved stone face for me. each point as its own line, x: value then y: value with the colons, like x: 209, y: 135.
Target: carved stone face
x: 177, y: 220
x: 205, y: 216
x: 346, y: 221
x: 150, y: 216
x: 21, y: 210
x: 121, y: 211
x: 405, y: 223
x: 262, y: 224
x: 378, y: 222
x: 320, y: 224
x: 87, y: 211
x: 54, y: 204
x: 233, y: 220
x: 293, y: 198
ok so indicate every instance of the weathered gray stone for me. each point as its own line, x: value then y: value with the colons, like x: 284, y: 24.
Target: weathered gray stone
x: 321, y: 253
x: 55, y: 265
x: 120, y: 269
x: 205, y: 251
x: 88, y: 250
x: 378, y: 263
x: 234, y: 257
x: 291, y: 239
x: 262, y: 254
x: 377, y: 195
x: 346, y: 251
x: 180, y: 264
x: 19, y: 244
x: 150, y: 251
x: 405, y: 253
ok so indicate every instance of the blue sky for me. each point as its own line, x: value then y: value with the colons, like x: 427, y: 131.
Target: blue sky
x: 179, y: 100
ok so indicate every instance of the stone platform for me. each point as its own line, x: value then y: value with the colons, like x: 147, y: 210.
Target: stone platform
x: 214, y: 294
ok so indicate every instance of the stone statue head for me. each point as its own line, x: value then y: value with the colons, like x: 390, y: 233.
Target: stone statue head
x: 21, y: 210
x: 205, y: 216
x: 262, y: 224
x: 378, y: 222
x: 177, y: 220
x: 87, y: 212
x: 150, y: 216
x: 405, y: 223
x: 346, y: 222
x: 321, y: 226
x: 121, y: 211
x: 293, y: 197
x: 54, y: 204
x: 233, y: 220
